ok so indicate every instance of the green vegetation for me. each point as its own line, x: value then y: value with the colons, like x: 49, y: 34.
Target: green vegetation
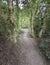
x: 45, y: 47
x: 35, y: 16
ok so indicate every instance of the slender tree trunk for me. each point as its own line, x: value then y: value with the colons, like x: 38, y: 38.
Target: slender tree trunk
x: 10, y: 9
x: 17, y: 13
x: 31, y: 20
x: 44, y: 25
x: 0, y: 7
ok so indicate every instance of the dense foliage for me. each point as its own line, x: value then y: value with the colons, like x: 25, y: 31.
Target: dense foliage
x: 35, y: 15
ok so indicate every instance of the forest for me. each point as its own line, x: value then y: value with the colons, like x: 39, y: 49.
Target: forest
x: 24, y: 32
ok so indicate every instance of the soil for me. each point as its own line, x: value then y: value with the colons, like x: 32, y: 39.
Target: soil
x: 24, y: 52
x: 30, y: 54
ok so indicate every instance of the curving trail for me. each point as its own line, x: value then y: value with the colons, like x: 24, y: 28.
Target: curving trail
x: 30, y: 54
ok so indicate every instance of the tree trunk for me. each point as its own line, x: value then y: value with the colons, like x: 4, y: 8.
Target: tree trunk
x: 17, y: 13
x: 0, y: 7
x: 10, y: 9
x: 44, y: 24
x: 31, y: 20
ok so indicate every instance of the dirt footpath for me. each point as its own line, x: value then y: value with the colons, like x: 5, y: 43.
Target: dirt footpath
x: 25, y: 52
x: 30, y: 54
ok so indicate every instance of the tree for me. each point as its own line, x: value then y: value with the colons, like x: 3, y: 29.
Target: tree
x: 10, y: 8
x: 0, y: 6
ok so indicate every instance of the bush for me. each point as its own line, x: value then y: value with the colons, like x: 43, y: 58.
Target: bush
x: 45, y: 47
x: 2, y: 25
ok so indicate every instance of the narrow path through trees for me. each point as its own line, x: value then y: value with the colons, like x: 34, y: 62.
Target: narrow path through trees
x: 30, y: 54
